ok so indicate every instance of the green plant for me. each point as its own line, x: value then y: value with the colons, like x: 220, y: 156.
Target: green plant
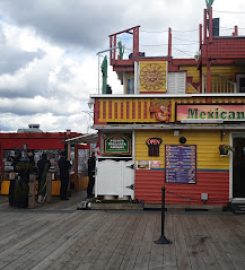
x: 224, y: 149
x: 121, y: 50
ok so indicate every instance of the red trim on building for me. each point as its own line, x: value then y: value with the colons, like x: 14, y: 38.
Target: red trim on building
x: 133, y: 110
x: 122, y: 105
x: 104, y: 109
x: 139, y: 110
x: 127, y: 110
x: 96, y: 111
x: 152, y: 115
x: 110, y: 109
x: 145, y: 109
x: 116, y: 110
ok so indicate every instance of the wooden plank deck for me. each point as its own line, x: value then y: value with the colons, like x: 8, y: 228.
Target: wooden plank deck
x: 57, y: 236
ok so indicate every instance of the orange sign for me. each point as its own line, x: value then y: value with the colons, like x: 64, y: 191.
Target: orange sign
x: 162, y: 111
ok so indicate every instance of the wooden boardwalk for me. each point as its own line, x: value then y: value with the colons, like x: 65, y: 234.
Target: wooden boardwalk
x: 57, y: 236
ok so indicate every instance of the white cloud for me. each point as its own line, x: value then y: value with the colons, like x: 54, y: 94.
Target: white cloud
x: 48, y: 64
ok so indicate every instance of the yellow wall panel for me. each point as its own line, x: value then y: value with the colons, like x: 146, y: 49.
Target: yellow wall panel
x: 191, y: 72
x: 207, y: 143
x: 223, y: 71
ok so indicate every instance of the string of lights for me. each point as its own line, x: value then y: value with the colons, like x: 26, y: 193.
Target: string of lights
x: 229, y: 12
x: 166, y: 31
x: 177, y: 44
x: 187, y: 40
x: 189, y: 53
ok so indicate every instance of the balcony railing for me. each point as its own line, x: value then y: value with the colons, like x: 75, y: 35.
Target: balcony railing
x: 220, y: 85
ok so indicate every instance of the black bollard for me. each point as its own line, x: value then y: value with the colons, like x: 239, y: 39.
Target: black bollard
x: 163, y: 240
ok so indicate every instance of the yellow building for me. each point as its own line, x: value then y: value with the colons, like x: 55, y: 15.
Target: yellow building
x: 180, y: 124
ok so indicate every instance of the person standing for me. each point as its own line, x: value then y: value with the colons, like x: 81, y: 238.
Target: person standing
x: 43, y: 166
x: 91, y: 175
x: 64, y: 166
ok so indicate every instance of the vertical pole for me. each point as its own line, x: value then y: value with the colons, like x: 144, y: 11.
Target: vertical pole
x: 114, y: 54
x: 98, y: 74
x: 163, y: 211
x: 209, y: 80
x: 205, y: 26
x: 111, y: 45
x: 210, y: 17
x: 31, y: 195
x: 49, y: 187
x: 136, y: 41
x: 200, y: 57
x: 163, y: 240
x: 76, y: 178
x: 136, y: 76
x: 169, y: 43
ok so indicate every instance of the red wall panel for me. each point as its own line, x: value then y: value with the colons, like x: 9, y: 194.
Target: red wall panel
x: 148, y: 184
x: 225, y: 48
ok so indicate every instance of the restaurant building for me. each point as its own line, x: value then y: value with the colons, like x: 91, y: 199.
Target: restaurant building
x: 180, y: 123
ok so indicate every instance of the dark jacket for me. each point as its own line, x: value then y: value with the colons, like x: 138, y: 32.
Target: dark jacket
x: 43, y: 165
x: 91, y: 166
x: 64, y: 166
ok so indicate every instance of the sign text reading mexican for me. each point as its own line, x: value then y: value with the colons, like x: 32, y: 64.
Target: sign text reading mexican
x: 212, y: 112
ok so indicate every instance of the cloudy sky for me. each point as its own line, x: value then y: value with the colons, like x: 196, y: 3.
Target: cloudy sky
x: 48, y: 64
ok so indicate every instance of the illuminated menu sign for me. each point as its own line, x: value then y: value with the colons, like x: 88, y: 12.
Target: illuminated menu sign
x: 180, y: 164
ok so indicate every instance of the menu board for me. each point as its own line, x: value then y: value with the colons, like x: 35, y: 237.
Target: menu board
x: 180, y: 164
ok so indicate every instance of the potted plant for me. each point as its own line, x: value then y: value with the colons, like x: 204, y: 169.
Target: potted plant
x: 224, y: 149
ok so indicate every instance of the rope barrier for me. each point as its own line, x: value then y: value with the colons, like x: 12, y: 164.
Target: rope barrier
x: 190, y: 199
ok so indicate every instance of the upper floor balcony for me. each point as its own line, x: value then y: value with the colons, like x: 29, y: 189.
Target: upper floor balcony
x: 218, y: 67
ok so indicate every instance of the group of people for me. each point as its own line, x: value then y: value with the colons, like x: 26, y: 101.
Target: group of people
x: 23, y: 165
x: 64, y: 166
x: 43, y: 166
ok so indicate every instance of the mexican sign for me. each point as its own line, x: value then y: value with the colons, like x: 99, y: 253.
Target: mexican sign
x: 210, y: 113
x: 117, y: 145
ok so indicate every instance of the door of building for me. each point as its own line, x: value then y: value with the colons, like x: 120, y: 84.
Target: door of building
x: 114, y: 177
x: 239, y: 168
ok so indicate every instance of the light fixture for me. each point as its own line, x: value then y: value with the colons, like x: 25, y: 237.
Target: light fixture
x: 176, y: 133
x: 182, y: 140
x: 91, y: 103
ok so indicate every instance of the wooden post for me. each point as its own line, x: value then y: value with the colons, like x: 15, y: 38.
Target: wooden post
x: 169, y: 43
x: 49, y: 187
x: 210, y: 22
x: 32, y: 189
x: 209, y: 78
x: 136, y: 41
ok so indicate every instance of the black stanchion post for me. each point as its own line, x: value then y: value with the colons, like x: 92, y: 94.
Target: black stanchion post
x: 163, y: 240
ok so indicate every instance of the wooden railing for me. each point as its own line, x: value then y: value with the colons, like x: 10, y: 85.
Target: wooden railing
x: 220, y: 85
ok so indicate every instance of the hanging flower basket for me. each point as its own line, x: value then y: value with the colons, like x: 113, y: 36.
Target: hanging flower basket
x: 224, y: 149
